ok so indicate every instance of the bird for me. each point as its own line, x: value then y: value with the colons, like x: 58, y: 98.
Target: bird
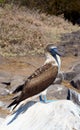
x: 39, y: 81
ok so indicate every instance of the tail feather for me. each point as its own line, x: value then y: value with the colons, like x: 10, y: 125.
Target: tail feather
x: 19, y: 88
x: 14, y: 98
x: 13, y: 103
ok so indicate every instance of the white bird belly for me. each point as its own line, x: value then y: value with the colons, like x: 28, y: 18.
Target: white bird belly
x: 44, y: 92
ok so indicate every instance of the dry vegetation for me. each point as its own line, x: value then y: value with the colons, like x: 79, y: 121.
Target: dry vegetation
x: 23, y: 31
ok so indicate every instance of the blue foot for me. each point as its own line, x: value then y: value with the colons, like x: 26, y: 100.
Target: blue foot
x: 45, y: 99
x: 48, y: 101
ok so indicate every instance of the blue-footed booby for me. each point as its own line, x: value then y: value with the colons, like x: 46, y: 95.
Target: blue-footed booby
x: 41, y: 79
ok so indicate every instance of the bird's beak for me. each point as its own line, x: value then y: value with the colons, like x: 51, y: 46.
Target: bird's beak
x: 57, y: 52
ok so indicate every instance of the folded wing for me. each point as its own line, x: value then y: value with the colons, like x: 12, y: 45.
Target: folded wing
x: 36, y: 83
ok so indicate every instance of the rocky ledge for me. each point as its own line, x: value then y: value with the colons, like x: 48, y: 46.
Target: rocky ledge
x: 58, y: 115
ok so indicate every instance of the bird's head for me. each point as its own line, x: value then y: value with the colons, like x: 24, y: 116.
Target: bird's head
x: 53, y: 51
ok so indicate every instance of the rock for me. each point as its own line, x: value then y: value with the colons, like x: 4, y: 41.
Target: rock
x: 5, y: 77
x: 76, y: 68
x: 69, y: 75
x: 71, y: 43
x: 74, y: 90
x: 74, y: 78
x: 74, y: 93
x: 4, y: 91
x: 57, y: 81
x: 11, y: 83
x: 74, y: 71
x: 58, y: 115
x: 1, y: 121
x: 75, y: 82
x: 2, y: 104
x: 57, y: 91
x: 60, y: 75
x: 75, y: 97
x: 16, y: 81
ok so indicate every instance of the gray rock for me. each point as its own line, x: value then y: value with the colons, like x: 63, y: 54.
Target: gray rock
x: 76, y: 68
x: 16, y: 81
x: 10, y: 82
x: 75, y: 96
x: 60, y: 75
x: 57, y: 91
x: 74, y: 71
x: 5, y: 77
x: 75, y: 82
x: 70, y: 44
x: 4, y: 91
x: 69, y: 75
x: 2, y: 104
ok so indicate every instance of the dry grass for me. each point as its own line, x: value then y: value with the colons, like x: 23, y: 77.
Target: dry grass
x: 23, y: 31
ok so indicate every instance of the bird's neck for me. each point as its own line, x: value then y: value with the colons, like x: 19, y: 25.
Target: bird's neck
x: 58, y: 60
x: 55, y: 61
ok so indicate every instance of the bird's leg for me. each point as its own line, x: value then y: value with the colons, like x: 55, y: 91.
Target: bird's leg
x: 44, y: 99
x: 47, y: 101
x: 41, y: 99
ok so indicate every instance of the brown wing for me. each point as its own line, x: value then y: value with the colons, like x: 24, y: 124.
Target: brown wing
x: 37, y: 73
x: 37, y: 82
x: 40, y: 70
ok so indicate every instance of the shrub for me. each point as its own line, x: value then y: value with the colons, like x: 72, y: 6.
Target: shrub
x: 70, y: 8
